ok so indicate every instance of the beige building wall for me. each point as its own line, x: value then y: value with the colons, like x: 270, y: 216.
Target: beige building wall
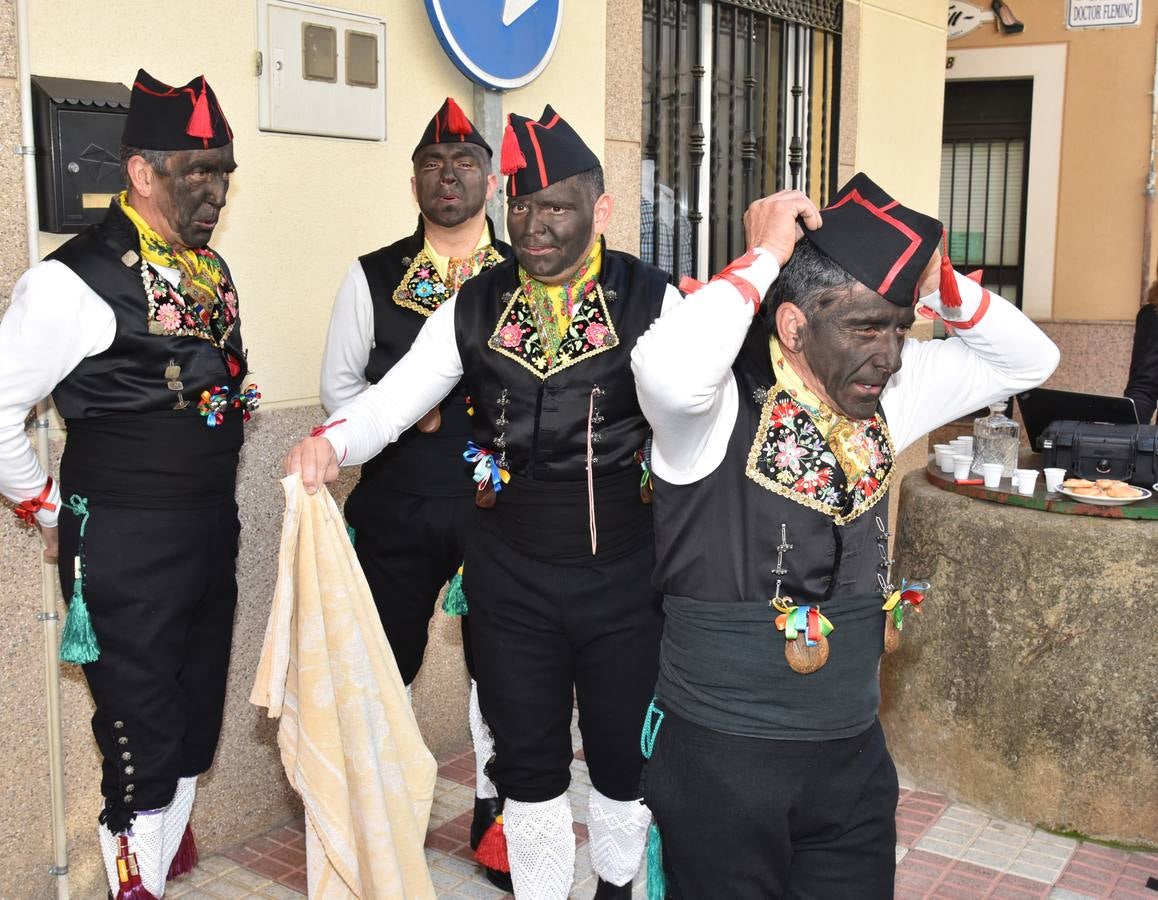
x: 1104, y: 155
x: 899, y: 48
x: 300, y: 210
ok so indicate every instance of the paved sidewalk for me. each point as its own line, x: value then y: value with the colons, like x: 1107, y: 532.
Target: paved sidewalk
x: 944, y: 850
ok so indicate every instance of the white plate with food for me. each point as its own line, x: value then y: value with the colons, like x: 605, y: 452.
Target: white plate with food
x: 1103, y: 492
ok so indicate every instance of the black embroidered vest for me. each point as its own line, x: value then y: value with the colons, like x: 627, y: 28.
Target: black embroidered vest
x: 719, y: 561
x: 428, y: 464
x: 535, y: 417
x: 127, y: 443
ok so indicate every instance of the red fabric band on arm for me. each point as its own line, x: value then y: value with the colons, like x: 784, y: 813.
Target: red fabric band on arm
x: 319, y: 430
x: 27, y: 510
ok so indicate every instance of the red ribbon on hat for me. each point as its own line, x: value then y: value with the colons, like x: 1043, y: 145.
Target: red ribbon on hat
x: 200, y: 124
x: 27, y: 510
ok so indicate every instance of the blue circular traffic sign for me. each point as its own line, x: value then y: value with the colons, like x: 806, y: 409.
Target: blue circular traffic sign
x: 500, y: 44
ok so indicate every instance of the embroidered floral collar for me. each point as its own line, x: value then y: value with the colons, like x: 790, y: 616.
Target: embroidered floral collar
x: 589, y: 333
x: 176, y: 311
x: 790, y: 457
x: 423, y: 290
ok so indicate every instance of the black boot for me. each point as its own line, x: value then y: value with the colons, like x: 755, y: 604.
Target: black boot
x: 501, y: 880
x: 605, y: 890
x: 485, y: 812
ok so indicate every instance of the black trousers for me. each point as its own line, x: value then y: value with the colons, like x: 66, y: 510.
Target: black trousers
x: 744, y: 817
x: 546, y: 634
x: 409, y: 546
x: 161, y: 590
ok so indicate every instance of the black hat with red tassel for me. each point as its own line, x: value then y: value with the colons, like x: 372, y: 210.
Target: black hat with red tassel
x: 535, y: 155
x: 882, y: 244
x: 174, y: 118
x: 450, y: 125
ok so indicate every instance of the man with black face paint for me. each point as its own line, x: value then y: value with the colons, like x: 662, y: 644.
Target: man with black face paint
x: 775, y: 439
x: 413, y: 499
x: 559, y: 552
x: 133, y: 327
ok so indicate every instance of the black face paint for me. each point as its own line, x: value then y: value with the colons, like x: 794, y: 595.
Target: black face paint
x: 191, y: 193
x: 450, y: 182
x: 853, y: 347
x: 553, y: 229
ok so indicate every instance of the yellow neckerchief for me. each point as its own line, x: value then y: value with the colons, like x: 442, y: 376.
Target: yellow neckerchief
x: 845, y: 436
x: 553, y: 305
x: 200, y: 270
x: 442, y: 264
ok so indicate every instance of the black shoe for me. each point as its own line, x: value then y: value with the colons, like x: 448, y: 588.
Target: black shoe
x: 1006, y: 20
x: 608, y: 891
x: 501, y: 880
x: 485, y: 812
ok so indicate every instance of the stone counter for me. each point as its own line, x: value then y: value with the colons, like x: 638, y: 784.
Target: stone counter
x: 1028, y: 685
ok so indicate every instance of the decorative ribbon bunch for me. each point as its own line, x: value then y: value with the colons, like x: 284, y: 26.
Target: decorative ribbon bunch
x: 247, y: 401
x: 216, y: 400
x: 487, y: 469
x: 806, y: 620
x: 213, y: 405
x: 911, y: 594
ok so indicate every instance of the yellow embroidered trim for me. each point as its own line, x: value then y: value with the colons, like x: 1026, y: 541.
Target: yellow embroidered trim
x: 563, y: 360
x: 764, y: 481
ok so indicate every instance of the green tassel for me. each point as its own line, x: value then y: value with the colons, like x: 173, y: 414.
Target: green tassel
x: 454, y: 603
x: 353, y: 535
x: 78, y: 642
x: 656, y: 880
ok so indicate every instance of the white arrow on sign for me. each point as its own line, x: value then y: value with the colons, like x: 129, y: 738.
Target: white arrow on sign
x: 513, y: 9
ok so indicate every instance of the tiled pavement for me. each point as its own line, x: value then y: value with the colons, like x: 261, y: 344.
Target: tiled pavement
x: 945, y: 851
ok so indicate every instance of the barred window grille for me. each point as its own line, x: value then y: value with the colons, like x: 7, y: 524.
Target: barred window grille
x: 741, y: 99
x: 984, y: 177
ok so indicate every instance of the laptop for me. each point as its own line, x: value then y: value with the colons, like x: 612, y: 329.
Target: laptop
x: 1041, y: 406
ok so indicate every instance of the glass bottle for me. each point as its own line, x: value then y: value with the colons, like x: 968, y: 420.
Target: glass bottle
x: 995, y: 440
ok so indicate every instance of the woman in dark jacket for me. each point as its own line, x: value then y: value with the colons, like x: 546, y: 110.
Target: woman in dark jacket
x: 1142, y: 386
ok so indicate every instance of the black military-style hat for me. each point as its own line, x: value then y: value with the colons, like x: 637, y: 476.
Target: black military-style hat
x: 537, y: 154
x: 882, y: 244
x: 174, y: 118
x: 450, y: 125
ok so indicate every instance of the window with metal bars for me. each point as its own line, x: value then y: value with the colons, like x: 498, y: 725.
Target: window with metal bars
x: 741, y: 99
x: 984, y: 179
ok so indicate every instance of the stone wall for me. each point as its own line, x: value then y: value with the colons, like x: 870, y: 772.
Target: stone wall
x: 1027, y: 685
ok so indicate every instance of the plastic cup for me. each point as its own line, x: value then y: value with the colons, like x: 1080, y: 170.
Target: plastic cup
x: 961, y: 466
x: 944, y: 455
x: 1053, y: 479
x: 991, y: 472
x: 1026, y: 480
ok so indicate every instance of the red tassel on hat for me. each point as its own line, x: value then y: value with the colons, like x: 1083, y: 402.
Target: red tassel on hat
x: 512, y: 159
x: 492, y: 849
x: 186, y: 859
x: 200, y: 125
x: 128, y: 875
x: 950, y: 296
x: 456, y: 119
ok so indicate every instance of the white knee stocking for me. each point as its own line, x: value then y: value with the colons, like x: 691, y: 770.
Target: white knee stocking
x: 484, y: 746
x: 146, y: 841
x: 618, y: 835
x: 541, y: 847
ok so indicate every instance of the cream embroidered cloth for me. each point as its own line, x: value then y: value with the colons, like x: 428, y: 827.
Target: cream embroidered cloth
x: 348, y: 738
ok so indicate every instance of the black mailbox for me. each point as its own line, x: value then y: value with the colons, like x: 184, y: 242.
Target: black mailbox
x: 78, y: 144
